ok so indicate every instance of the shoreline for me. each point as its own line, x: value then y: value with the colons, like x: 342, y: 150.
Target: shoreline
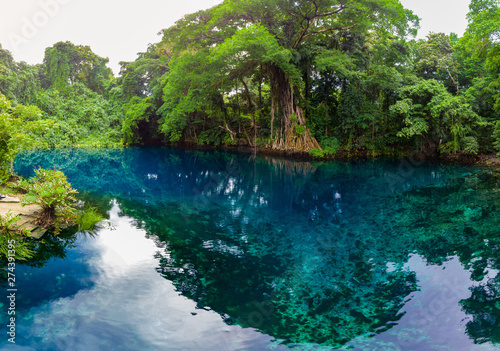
x: 429, y: 155
x: 28, y: 214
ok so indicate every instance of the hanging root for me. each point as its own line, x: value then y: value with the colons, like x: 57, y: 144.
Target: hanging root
x: 294, y: 134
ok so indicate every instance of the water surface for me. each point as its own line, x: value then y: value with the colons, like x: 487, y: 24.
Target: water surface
x: 217, y: 250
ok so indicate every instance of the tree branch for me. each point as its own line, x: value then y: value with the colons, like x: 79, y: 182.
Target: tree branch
x: 311, y: 20
x: 329, y: 30
x: 453, y: 79
x: 204, y: 36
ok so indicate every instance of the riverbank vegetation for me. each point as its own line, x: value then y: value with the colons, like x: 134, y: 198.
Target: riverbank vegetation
x: 24, y: 127
x: 318, y: 77
x: 58, y: 209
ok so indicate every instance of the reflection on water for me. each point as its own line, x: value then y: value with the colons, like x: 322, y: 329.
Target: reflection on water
x: 366, y: 255
x: 127, y: 306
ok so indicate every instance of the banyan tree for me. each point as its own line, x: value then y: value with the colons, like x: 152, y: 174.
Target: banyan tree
x: 242, y: 67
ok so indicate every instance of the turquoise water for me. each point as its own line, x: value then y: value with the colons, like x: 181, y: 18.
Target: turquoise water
x: 224, y: 251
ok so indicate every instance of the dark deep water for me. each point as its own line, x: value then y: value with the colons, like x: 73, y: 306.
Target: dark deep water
x: 221, y: 251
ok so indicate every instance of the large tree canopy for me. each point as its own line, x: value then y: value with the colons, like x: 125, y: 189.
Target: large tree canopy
x: 240, y: 45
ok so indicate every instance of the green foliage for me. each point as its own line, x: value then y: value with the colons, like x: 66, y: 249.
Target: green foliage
x: 414, y: 125
x: 211, y: 137
x: 65, y: 64
x: 87, y: 219
x: 243, y: 71
x: 136, y: 110
x: 329, y: 146
x: 51, y: 190
x: 80, y: 118
x: 7, y: 221
x: 429, y: 111
x: 21, y: 128
x: 67, y: 103
x: 268, y: 45
x: 228, y: 140
x: 248, y: 47
x: 317, y: 153
x: 300, y: 129
x: 19, y: 81
x: 496, y: 136
x: 337, y: 61
x: 436, y: 60
x: 470, y: 145
x: 187, y: 71
x: 21, y: 186
x: 12, y: 239
x: 7, y: 73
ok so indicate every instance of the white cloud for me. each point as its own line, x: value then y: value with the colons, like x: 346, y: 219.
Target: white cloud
x: 114, y: 29
x: 439, y: 15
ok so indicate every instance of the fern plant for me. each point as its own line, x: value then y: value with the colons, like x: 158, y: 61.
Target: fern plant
x: 51, y: 190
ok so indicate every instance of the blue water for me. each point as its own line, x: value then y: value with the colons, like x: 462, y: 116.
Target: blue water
x: 224, y: 251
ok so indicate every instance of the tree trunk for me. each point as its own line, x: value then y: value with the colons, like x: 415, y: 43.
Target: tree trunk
x: 250, y: 105
x: 272, y: 117
x: 294, y: 134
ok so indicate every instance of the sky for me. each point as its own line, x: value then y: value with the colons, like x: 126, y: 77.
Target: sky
x: 447, y: 16
x: 120, y: 29
x: 116, y: 29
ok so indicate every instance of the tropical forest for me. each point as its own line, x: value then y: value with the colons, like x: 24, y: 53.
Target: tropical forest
x: 315, y: 77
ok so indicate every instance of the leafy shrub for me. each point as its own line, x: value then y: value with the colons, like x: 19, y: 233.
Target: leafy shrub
x: 21, y: 186
x: 263, y: 142
x: 9, y: 234
x: 20, y: 129
x: 496, y: 137
x: 447, y: 148
x: 228, y: 141
x: 80, y: 117
x: 210, y: 137
x: 300, y: 129
x: 317, y: 153
x: 51, y: 190
x: 8, y: 221
x: 4, y: 174
x: 467, y: 144
x: 88, y: 219
x: 330, y: 146
x: 470, y: 145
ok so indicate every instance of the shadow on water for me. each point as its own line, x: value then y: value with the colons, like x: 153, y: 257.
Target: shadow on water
x: 304, y: 252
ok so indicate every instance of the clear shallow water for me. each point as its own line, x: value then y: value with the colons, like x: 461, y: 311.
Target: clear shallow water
x: 216, y: 250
